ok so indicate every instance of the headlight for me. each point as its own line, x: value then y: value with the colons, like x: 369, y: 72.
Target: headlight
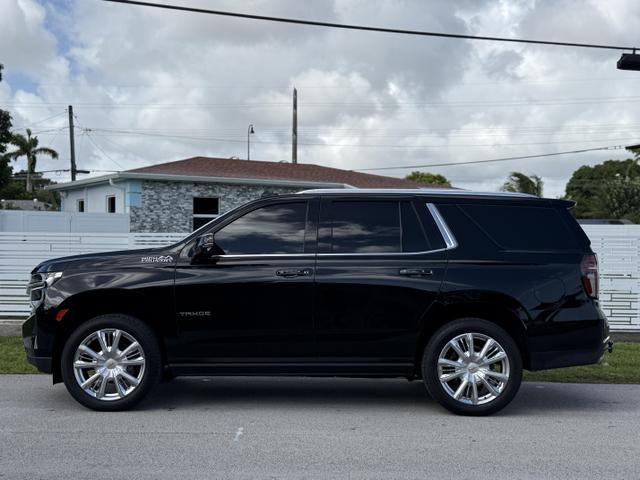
x: 37, y: 285
x: 51, y: 277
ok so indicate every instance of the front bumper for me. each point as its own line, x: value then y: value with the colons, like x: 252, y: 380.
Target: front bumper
x: 34, y: 341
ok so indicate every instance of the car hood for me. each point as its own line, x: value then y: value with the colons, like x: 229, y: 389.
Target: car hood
x: 120, y: 258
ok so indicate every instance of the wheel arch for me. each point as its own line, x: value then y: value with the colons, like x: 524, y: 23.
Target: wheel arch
x: 89, y: 304
x: 501, y: 310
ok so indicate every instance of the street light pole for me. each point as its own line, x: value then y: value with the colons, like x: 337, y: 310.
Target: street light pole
x: 249, y: 132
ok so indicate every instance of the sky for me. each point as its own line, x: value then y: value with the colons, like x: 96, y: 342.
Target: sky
x: 150, y: 85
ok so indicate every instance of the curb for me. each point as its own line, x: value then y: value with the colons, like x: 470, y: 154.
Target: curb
x: 625, y: 337
x: 11, y: 327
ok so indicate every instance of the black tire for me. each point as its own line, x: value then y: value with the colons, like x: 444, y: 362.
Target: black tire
x: 441, y: 339
x: 152, y: 361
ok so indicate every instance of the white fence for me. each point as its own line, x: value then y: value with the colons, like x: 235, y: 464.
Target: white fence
x: 617, y: 246
x: 20, y: 252
x: 618, y: 249
x: 63, y: 222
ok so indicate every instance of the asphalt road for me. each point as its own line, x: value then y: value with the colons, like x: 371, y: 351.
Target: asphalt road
x: 317, y: 428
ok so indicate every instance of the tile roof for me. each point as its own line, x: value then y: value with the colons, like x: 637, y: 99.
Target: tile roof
x: 303, y: 172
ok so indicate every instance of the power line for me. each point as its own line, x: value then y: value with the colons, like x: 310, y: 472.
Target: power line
x: 245, y: 105
x: 364, y: 134
x: 102, y: 151
x: 32, y: 124
x: 506, y: 159
x: 345, y: 26
x: 106, y: 132
x: 253, y: 85
x: 451, y: 131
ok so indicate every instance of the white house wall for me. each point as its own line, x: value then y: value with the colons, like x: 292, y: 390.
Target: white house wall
x: 95, y: 198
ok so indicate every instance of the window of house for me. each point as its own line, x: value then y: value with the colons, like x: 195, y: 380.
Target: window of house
x: 205, y: 209
x: 111, y: 204
x: 274, y: 229
x: 80, y: 206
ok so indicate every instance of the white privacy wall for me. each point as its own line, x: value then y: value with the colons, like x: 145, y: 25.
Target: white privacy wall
x: 618, y: 249
x: 617, y: 246
x: 43, y: 223
x: 20, y: 252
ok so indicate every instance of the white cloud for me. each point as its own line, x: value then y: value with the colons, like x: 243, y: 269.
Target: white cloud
x: 154, y: 85
x: 26, y: 45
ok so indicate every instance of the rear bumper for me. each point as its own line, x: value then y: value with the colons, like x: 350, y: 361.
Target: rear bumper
x: 570, y: 358
x: 572, y: 342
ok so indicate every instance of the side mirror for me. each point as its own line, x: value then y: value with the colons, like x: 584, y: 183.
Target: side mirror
x: 205, y: 242
x: 203, y: 249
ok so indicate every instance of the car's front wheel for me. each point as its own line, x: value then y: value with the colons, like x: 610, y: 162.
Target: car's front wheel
x: 472, y: 367
x: 111, y: 362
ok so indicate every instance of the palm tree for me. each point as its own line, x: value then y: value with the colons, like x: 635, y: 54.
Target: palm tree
x: 519, y: 182
x: 28, y: 147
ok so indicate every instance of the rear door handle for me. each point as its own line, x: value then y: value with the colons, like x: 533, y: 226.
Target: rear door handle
x: 415, y: 272
x: 302, y: 272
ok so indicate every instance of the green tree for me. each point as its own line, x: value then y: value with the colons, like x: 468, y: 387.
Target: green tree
x: 429, y: 178
x: 5, y: 138
x: 597, y: 189
x: 27, y: 146
x: 15, y: 189
x: 519, y: 182
x: 621, y: 198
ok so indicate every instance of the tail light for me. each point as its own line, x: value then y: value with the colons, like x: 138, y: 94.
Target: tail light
x: 589, y: 269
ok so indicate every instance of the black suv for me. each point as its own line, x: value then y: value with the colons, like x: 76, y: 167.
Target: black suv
x: 460, y: 289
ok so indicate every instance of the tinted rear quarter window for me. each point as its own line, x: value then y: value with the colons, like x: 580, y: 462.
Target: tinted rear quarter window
x: 524, y: 227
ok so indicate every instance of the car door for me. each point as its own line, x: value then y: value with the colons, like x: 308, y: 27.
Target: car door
x: 249, y: 297
x: 380, y: 266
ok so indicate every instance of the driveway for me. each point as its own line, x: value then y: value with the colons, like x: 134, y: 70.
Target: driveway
x: 317, y: 428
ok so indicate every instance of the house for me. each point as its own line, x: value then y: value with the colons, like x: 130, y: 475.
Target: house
x: 181, y: 196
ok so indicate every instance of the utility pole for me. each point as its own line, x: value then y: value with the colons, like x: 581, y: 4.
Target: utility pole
x: 72, y: 142
x: 294, y: 132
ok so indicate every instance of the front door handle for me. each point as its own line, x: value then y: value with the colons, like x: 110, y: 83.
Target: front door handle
x: 302, y: 272
x: 415, y: 272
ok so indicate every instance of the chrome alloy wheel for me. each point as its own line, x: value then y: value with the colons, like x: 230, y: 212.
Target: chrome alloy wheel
x: 109, y: 364
x: 473, y: 368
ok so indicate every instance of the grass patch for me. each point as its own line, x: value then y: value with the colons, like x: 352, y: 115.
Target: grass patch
x: 622, y: 366
x: 12, y: 356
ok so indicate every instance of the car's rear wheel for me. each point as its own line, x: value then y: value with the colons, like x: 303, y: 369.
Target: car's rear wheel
x: 111, y: 362
x: 472, y: 367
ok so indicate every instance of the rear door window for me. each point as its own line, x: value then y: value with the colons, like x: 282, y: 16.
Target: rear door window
x: 365, y: 227
x: 361, y: 227
x: 413, y: 237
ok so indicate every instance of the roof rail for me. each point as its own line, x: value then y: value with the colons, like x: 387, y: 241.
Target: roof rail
x: 416, y: 191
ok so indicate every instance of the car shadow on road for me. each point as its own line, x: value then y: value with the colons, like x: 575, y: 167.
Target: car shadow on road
x: 366, y: 393
x: 274, y: 391
x: 543, y: 398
